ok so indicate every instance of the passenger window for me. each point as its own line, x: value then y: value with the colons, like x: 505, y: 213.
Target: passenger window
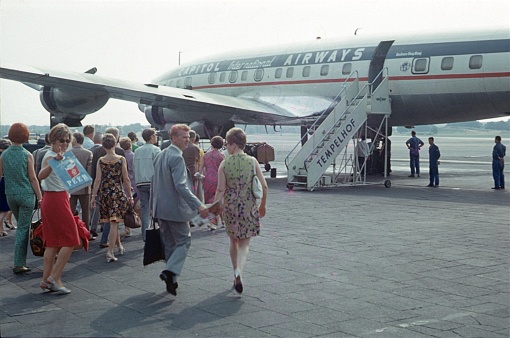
x: 278, y: 73
x: 232, y: 78
x: 179, y: 83
x: 447, y: 63
x: 347, y: 69
x: 259, y: 74
x: 290, y: 72
x: 421, y: 66
x: 187, y: 82
x: 212, y: 78
x: 306, y: 71
x: 244, y: 75
x: 475, y: 62
x: 222, y: 77
x: 324, y: 70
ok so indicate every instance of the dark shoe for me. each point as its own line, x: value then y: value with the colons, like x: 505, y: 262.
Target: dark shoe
x: 20, y: 269
x: 430, y: 185
x: 410, y: 176
x: 167, y: 277
x: 93, y: 233
x: 496, y: 188
x: 418, y: 175
x: 103, y: 245
x: 238, y: 284
x: 502, y: 187
x: 436, y: 186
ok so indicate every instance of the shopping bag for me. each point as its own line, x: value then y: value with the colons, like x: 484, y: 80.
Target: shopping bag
x: 153, y: 250
x: 36, y: 238
x: 70, y: 171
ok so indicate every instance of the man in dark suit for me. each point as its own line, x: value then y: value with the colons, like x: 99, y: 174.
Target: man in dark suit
x: 174, y: 204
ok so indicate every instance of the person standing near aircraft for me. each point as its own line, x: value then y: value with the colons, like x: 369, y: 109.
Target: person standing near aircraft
x: 498, y: 163
x: 434, y: 156
x: 242, y: 214
x: 143, y: 163
x: 88, y: 132
x: 209, y: 168
x: 414, y: 145
x: 21, y: 190
x: 96, y: 154
x: 60, y: 231
x: 191, y: 157
x: 111, y: 184
x: 84, y: 156
x: 174, y: 204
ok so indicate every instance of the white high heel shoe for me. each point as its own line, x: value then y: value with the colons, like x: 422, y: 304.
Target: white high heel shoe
x: 111, y: 258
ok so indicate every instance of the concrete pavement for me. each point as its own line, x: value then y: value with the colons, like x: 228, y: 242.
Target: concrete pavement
x: 408, y: 261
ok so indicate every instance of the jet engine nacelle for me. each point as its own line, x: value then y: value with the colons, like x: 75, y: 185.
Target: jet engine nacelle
x: 163, y: 118
x: 70, y: 106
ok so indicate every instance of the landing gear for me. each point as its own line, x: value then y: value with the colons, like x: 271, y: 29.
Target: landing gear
x: 267, y: 166
x: 387, y: 183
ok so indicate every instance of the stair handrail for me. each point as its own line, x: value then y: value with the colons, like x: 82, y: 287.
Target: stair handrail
x: 330, y: 108
x: 349, y: 104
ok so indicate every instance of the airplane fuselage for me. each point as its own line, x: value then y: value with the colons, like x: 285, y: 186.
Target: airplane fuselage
x: 432, y: 78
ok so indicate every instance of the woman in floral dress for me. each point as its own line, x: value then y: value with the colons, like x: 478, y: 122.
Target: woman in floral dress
x: 111, y: 181
x: 242, y: 214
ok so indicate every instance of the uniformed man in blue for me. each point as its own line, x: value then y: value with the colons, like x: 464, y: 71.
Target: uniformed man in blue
x: 434, y: 156
x: 414, y: 145
x: 498, y: 164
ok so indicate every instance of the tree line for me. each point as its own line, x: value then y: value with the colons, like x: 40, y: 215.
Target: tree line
x: 250, y: 129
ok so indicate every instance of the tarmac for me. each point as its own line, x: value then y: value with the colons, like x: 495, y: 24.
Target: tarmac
x: 351, y: 261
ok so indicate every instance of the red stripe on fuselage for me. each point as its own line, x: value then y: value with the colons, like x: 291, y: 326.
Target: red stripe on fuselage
x: 363, y: 79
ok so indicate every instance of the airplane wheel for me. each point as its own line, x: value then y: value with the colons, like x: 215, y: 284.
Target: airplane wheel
x: 387, y: 183
x: 267, y: 166
x: 290, y: 186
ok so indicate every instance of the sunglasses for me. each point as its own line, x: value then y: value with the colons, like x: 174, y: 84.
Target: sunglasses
x: 64, y: 141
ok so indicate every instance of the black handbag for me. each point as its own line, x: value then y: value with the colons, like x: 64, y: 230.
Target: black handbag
x: 132, y: 219
x: 153, y: 250
x: 36, y: 240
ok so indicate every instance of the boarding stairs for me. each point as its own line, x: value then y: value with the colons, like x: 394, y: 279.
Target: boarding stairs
x: 335, y: 128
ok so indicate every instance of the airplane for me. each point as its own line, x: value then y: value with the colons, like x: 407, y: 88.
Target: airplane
x: 433, y: 78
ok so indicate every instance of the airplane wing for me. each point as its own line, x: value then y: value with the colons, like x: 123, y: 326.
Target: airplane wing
x: 183, y: 100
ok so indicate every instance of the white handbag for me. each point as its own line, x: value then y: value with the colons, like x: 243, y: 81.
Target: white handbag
x: 256, y: 186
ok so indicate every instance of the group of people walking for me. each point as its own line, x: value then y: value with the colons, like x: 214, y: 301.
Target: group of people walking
x: 159, y: 178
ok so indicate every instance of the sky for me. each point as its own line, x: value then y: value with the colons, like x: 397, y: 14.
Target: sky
x: 140, y: 40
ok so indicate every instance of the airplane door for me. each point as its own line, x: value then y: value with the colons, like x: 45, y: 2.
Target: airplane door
x: 377, y: 62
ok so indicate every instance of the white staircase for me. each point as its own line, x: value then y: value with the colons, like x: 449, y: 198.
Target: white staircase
x: 332, y: 135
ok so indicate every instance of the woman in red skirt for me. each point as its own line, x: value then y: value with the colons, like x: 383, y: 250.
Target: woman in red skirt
x: 59, y: 231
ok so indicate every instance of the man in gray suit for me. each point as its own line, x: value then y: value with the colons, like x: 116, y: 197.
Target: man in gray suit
x: 174, y: 204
